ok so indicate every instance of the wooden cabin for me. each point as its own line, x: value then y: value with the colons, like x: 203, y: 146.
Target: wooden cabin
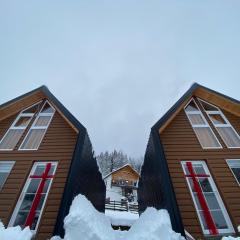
x: 121, y: 184
x: 45, y: 160
x: 192, y: 165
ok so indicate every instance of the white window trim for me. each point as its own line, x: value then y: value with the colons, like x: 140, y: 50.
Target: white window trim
x: 228, y: 124
x: 230, y: 228
x: 38, y: 127
x: 227, y: 160
x: 21, y: 114
x: 20, y: 199
x: 206, y: 125
x: 7, y: 162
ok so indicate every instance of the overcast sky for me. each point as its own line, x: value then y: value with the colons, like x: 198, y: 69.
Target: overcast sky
x: 118, y: 65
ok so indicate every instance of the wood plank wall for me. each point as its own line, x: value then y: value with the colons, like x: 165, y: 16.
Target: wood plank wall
x: 180, y: 143
x: 57, y: 145
x: 125, y: 173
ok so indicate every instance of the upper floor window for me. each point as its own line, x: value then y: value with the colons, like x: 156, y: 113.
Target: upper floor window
x: 5, y: 169
x: 38, y: 129
x: 16, y: 130
x: 200, y: 126
x: 222, y: 125
x: 209, y: 206
x: 234, y: 165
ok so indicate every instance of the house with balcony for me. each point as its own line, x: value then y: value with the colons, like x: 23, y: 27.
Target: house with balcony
x: 121, y: 184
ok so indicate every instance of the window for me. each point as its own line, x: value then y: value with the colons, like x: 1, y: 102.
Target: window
x: 234, y: 165
x: 211, y: 212
x: 223, y: 126
x: 38, y: 128
x: 204, y: 133
x: 14, y: 133
x: 33, y: 197
x: 5, y: 169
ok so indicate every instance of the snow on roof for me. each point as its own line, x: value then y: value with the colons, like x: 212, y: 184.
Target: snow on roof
x: 125, y: 165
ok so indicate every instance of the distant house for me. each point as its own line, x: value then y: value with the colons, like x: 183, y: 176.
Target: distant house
x: 121, y: 184
x: 192, y: 165
x: 45, y: 160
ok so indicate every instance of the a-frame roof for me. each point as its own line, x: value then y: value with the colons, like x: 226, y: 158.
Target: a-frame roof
x: 16, y: 104
x: 227, y: 103
x: 116, y: 170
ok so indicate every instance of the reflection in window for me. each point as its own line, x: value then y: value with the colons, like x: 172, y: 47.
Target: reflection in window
x: 204, y: 133
x: 223, y: 126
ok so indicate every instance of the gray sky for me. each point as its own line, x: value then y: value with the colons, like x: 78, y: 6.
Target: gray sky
x: 119, y: 65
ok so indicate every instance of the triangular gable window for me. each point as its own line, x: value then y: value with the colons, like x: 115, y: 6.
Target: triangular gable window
x: 208, y: 107
x: 38, y: 128
x: 33, y: 109
x: 16, y: 130
x: 204, y: 133
x: 223, y: 126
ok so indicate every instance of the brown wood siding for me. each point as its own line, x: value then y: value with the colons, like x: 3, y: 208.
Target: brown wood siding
x: 180, y: 143
x: 58, y: 145
x: 125, y: 173
x: 22, y: 103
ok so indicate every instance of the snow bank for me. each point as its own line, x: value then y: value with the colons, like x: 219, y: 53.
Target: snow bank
x: 15, y: 233
x: 86, y: 223
x: 231, y: 238
x: 153, y: 225
x: 123, y: 218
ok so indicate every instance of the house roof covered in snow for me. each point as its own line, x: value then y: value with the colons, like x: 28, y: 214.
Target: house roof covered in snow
x: 116, y: 170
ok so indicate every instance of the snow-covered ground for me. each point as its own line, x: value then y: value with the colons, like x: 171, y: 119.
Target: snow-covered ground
x: 123, y: 218
x: 86, y: 223
x: 231, y: 238
x: 14, y: 233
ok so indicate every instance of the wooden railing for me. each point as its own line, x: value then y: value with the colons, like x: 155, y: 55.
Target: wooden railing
x: 121, y: 206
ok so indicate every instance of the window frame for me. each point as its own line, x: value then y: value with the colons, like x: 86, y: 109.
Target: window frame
x: 23, y: 192
x: 206, y: 125
x: 45, y: 128
x: 228, y: 163
x: 7, y: 162
x: 21, y: 114
x: 230, y: 228
x: 219, y: 112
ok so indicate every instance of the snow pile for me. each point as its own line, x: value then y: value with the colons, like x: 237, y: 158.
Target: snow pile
x: 231, y: 238
x: 153, y: 225
x: 86, y: 223
x: 15, y: 233
x: 123, y: 218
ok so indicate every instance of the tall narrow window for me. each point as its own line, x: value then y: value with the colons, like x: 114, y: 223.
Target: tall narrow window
x: 38, y: 128
x: 33, y: 197
x: 212, y: 214
x: 234, y: 165
x: 223, y: 126
x: 5, y: 169
x: 14, y: 133
x: 204, y: 133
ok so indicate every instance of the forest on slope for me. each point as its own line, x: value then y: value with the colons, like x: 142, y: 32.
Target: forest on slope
x: 110, y: 161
